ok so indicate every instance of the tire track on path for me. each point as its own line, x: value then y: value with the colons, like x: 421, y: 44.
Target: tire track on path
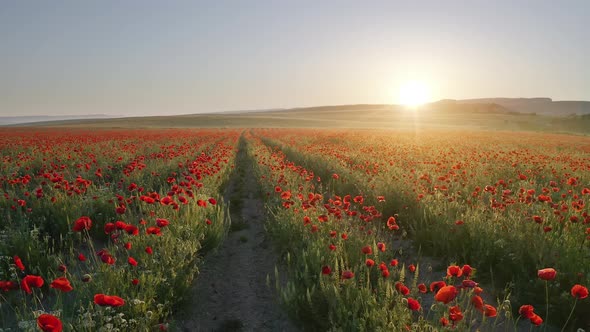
x: 231, y: 291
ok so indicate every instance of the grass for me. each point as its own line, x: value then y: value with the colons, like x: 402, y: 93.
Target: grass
x: 447, y: 191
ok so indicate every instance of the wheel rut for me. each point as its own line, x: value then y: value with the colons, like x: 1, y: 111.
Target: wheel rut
x: 231, y: 292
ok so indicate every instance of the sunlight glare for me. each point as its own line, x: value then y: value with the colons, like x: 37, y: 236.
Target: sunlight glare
x: 414, y: 93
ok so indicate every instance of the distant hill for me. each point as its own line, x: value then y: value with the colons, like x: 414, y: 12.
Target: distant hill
x: 12, y: 120
x: 537, y: 114
x: 542, y: 106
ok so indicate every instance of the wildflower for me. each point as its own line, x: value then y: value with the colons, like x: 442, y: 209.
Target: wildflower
x: 489, y: 311
x: 132, y: 261
x: 455, y: 314
x: 547, y: 274
x: 454, y: 271
x: 413, y: 304
x: 526, y: 311
x: 108, y: 300
x: 422, y: 288
x: 62, y: 283
x: 162, y: 222
x: 49, y: 323
x: 477, y: 302
x: 446, y: 294
x: 83, y: 223
x: 31, y: 281
x: 579, y: 291
x: 19, y: 263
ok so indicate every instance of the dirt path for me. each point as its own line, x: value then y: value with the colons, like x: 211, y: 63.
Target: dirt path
x: 231, y: 291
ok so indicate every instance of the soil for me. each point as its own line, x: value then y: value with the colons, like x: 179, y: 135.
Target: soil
x: 231, y: 292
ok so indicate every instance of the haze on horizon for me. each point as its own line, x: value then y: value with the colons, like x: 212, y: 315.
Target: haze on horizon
x: 156, y: 58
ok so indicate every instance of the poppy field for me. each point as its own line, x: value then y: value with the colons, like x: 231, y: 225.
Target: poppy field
x: 376, y: 230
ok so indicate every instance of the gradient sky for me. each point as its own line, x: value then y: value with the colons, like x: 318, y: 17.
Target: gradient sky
x: 173, y: 57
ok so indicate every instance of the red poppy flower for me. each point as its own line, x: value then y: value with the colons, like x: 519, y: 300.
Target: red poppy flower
x: 62, y: 283
x: 108, y: 300
x: 393, y: 262
x: 49, y: 323
x: 81, y: 257
x: 413, y: 304
x: 579, y: 291
x: 121, y: 209
x: 489, y: 311
x: 455, y: 314
x: 381, y: 246
x: 536, y: 320
x: 149, y: 250
x: 446, y: 294
x: 422, y: 288
x: 132, y: 261
x: 105, y: 257
x: 437, y: 285
x: 19, y: 263
x: 166, y: 200
x: 526, y: 311
x: 31, y: 281
x: 367, y: 250
x: 466, y: 270
x: 162, y: 222
x: 454, y: 271
x: 135, y: 282
x: 132, y: 230
x: 6, y: 286
x: 212, y: 201
x: 326, y: 270
x: 444, y: 321
x: 369, y: 262
x: 547, y: 274
x: 82, y: 223
x: 391, y: 223
x: 109, y: 228
x: 469, y: 283
x: 403, y: 289
x: 347, y: 274
x: 477, y: 302
x: 154, y: 230
x: 412, y: 268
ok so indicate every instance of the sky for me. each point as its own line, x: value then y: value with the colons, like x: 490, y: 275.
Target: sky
x: 177, y: 57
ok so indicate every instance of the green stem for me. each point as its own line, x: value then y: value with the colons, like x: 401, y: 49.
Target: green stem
x: 516, y: 322
x: 547, y: 304
x: 570, y: 316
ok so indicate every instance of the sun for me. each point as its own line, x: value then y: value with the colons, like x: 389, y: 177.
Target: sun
x: 414, y: 93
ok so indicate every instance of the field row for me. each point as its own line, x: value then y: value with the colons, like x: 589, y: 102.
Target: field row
x: 378, y: 230
x: 104, y: 230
